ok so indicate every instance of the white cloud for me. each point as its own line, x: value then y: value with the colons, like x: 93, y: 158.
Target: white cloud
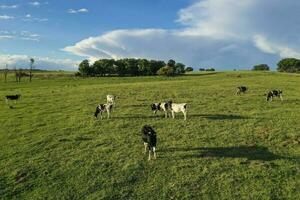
x: 23, y: 35
x: 35, y: 3
x: 264, y: 45
x: 6, y: 17
x: 29, y: 18
x: 82, y: 10
x: 22, y: 61
x: 8, y: 6
x: 217, y: 33
x: 4, y: 37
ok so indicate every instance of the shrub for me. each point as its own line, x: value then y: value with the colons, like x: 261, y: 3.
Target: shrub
x: 210, y: 69
x: 261, y: 67
x: 166, y: 71
x: 189, y: 69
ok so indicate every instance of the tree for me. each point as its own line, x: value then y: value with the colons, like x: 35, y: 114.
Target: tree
x: 144, y: 67
x: 210, y: 69
x: 179, y: 68
x: 84, y: 68
x: 98, y: 68
x: 189, y: 69
x: 261, y: 67
x: 289, y: 65
x: 166, y: 71
x: 171, y: 63
x: 120, y: 67
x: 31, y: 68
x: 132, y: 66
x: 156, y: 65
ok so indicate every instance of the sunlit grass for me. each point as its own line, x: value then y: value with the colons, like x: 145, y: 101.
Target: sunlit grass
x: 230, y: 147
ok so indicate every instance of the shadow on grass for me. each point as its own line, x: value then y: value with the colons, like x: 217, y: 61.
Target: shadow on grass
x: 201, y: 74
x: 83, y: 138
x: 249, y: 152
x: 218, y: 116
x: 137, y: 117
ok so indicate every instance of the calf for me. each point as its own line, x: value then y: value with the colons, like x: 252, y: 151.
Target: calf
x: 163, y: 106
x: 178, y: 107
x: 241, y: 89
x: 149, y: 138
x: 110, y: 99
x: 103, y: 108
x: 274, y: 93
x: 12, y: 97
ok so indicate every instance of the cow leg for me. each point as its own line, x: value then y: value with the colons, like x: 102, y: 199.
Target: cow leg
x: 166, y: 114
x: 173, y: 115
x: 281, y: 97
x: 154, y: 153
x: 108, y: 114
x: 149, y: 157
x: 145, y: 147
x: 184, y: 114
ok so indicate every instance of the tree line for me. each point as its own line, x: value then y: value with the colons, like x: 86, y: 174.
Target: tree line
x: 290, y: 65
x: 130, y: 67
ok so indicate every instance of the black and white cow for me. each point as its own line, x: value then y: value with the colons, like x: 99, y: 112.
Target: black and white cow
x: 110, y: 99
x: 274, y: 93
x: 101, y: 108
x: 163, y: 106
x: 178, y: 107
x: 12, y: 97
x: 150, y: 140
x: 241, y: 89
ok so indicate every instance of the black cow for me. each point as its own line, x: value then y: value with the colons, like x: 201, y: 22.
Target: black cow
x: 12, y: 97
x: 101, y: 108
x: 163, y: 106
x: 274, y: 93
x: 241, y: 89
x: 149, y: 138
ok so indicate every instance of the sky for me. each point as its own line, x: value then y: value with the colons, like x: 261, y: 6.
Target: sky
x: 224, y: 34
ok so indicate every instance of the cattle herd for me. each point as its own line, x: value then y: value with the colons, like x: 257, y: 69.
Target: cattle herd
x: 148, y: 133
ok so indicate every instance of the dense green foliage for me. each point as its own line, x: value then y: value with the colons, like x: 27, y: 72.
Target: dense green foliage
x: 261, y: 67
x: 230, y: 147
x: 128, y: 67
x: 211, y: 69
x: 189, y: 69
x: 289, y: 65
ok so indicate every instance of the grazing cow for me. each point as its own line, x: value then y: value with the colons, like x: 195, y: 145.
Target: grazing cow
x: 103, y: 108
x: 12, y: 97
x: 274, y: 93
x: 149, y: 138
x: 163, y: 106
x: 241, y: 89
x: 110, y: 99
x: 178, y: 107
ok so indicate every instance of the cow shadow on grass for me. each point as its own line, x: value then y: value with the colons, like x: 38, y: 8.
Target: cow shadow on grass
x: 218, y: 116
x: 249, y: 152
x: 137, y: 117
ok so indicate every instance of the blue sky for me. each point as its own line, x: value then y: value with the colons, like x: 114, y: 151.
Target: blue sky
x: 225, y: 34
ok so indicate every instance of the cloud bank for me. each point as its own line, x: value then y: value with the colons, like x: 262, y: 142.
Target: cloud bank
x: 225, y: 34
x: 22, y: 61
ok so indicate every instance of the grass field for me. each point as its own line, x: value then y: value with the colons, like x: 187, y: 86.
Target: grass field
x: 230, y: 147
